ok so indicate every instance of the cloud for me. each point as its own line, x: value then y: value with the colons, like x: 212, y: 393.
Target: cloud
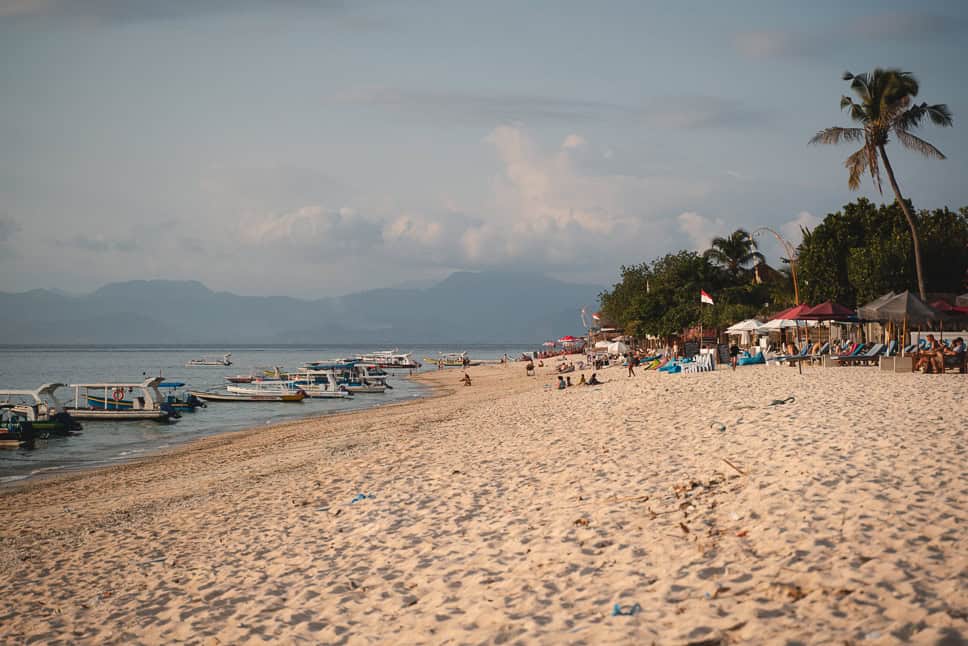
x: 694, y: 112
x: 338, y: 13
x: 681, y: 112
x: 699, y: 229
x: 776, y: 44
x: 908, y: 26
x: 100, y: 244
x: 313, y: 229
x: 8, y: 228
x: 792, y: 230
x: 474, y: 107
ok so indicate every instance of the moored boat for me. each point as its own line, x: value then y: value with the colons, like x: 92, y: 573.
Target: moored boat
x: 183, y: 402
x: 208, y: 361
x: 214, y: 396
x: 41, y: 408
x: 390, y: 359
x: 453, y: 360
x: 147, y: 404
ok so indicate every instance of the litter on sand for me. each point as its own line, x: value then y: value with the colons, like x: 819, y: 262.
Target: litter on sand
x: 627, y: 611
x: 780, y: 402
x: 360, y: 496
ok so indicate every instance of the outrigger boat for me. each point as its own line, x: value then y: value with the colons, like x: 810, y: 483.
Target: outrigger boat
x: 266, y: 396
x: 362, y: 378
x: 15, y: 431
x: 319, y: 383
x: 208, y: 361
x: 41, y: 408
x: 453, y: 360
x: 275, y: 388
x: 390, y: 359
x: 112, y: 406
x: 184, y: 402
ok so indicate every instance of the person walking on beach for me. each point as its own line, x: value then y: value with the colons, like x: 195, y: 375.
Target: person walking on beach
x: 632, y: 362
x: 733, y: 355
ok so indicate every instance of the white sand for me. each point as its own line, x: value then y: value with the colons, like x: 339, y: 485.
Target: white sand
x: 509, y: 511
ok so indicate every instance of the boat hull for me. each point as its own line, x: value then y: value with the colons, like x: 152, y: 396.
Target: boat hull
x: 108, y: 415
x: 237, y: 397
x: 126, y: 404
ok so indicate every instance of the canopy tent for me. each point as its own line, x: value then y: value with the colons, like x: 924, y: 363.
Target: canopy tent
x: 602, y: 345
x: 749, y: 325
x: 617, y: 348
x: 904, y: 307
x: 794, y: 313
x: 869, y: 312
x: 829, y: 311
x: 777, y: 325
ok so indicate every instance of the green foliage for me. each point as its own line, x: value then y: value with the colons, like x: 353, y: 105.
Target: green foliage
x: 864, y: 250
x: 734, y: 253
x: 662, y: 298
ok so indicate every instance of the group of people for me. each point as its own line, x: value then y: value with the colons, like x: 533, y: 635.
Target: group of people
x: 565, y: 382
x: 937, y: 356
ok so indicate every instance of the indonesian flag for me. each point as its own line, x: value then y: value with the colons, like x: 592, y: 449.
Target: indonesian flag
x: 704, y: 297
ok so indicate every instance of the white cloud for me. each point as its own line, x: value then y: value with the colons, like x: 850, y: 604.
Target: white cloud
x: 791, y: 230
x: 699, y: 229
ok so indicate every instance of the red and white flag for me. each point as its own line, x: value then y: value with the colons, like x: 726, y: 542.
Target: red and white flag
x: 704, y: 297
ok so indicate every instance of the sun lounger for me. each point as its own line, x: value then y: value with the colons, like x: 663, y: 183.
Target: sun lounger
x: 866, y: 358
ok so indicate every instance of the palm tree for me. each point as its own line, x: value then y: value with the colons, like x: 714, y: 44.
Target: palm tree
x: 885, y: 107
x: 734, y: 253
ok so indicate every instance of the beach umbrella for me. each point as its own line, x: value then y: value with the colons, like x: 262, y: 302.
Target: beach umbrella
x: 792, y: 314
x: 907, y: 307
x: 749, y: 325
x: 778, y: 324
x: 829, y: 311
x: 569, y: 339
x: 868, y: 312
x: 962, y: 301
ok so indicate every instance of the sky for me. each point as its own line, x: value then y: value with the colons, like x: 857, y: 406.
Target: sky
x: 319, y: 148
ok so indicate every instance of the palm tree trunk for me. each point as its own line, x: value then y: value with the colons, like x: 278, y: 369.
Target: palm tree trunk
x: 910, y: 219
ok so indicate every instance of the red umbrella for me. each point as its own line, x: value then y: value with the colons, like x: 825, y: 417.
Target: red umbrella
x: 793, y: 314
x: 945, y: 306
x: 568, y: 339
x: 828, y: 311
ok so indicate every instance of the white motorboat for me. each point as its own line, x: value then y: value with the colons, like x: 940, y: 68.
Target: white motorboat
x: 226, y: 360
x: 319, y: 383
x: 109, y: 402
x: 390, y: 359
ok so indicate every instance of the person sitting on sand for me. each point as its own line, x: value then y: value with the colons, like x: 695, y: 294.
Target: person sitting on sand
x: 561, y: 383
x: 529, y: 369
x: 568, y: 381
x: 582, y: 381
x: 593, y: 380
x: 466, y: 380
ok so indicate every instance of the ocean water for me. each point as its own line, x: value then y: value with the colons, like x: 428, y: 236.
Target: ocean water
x: 101, y: 443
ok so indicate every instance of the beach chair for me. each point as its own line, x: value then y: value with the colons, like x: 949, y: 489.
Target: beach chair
x: 866, y: 358
x: 703, y: 363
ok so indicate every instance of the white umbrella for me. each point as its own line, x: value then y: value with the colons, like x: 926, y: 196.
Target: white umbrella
x: 778, y: 324
x: 617, y: 348
x: 749, y: 325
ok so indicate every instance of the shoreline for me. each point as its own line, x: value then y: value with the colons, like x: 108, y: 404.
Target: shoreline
x: 172, y: 451
x: 513, y: 511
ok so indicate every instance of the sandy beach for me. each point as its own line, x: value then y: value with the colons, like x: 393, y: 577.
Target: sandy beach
x: 511, y: 512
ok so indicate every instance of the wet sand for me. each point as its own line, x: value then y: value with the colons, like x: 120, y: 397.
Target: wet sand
x: 509, y: 511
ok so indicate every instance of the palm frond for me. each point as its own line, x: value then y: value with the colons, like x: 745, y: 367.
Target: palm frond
x: 917, y: 144
x: 836, y: 135
x: 856, y: 165
x: 940, y: 115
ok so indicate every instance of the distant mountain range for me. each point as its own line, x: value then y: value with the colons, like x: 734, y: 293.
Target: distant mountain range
x: 466, y: 307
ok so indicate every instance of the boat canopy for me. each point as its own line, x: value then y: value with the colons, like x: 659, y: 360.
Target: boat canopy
x: 172, y: 384
x: 47, y: 390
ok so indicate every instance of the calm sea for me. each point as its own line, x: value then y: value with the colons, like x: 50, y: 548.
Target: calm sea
x: 103, y: 443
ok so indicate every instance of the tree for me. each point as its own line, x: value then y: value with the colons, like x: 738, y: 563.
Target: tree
x: 864, y: 250
x: 884, y: 108
x: 734, y: 253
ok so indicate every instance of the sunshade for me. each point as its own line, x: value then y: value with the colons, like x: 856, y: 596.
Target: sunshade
x: 906, y: 307
x: 829, y: 311
x: 962, y: 301
x: 869, y: 312
x: 779, y: 324
x: 749, y: 325
x: 793, y: 314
